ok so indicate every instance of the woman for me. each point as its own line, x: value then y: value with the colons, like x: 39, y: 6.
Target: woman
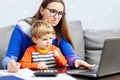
x: 54, y: 12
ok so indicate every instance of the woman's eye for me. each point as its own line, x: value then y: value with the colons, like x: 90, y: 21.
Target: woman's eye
x: 60, y: 13
x: 53, y: 11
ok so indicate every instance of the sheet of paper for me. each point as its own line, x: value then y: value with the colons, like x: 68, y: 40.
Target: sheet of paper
x: 62, y: 76
x: 27, y: 74
x: 22, y: 73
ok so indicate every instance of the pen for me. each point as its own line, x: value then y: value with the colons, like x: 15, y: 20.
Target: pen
x: 16, y: 65
x: 13, y: 58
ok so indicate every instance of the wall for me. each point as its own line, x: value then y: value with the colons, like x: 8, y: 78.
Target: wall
x: 94, y: 14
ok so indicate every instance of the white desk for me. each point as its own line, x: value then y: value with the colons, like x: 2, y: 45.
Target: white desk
x: 27, y: 74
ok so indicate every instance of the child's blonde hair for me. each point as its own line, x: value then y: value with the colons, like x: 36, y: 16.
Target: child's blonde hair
x: 40, y: 28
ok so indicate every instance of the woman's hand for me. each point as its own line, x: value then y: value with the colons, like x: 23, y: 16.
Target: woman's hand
x: 13, y: 66
x: 79, y: 63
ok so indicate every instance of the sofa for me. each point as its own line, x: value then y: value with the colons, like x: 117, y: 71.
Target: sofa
x: 88, y: 42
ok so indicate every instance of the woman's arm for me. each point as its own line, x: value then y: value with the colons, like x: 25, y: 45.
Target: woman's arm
x: 13, y: 48
x: 19, y: 41
x: 72, y: 58
x: 68, y: 52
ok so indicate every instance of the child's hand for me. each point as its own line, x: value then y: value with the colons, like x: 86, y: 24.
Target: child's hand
x: 55, y: 54
x: 42, y: 65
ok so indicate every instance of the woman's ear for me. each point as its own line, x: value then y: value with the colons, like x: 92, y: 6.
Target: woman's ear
x: 34, y: 40
x: 41, y: 10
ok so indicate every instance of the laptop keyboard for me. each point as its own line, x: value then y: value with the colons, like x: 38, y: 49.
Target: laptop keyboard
x: 90, y: 71
x: 93, y: 71
x: 83, y: 70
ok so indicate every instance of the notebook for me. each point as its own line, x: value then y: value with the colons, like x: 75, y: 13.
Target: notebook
x: 10, y: 77
x: 109, y: 61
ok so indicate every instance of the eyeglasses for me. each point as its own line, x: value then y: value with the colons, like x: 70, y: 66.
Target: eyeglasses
x: 54, y: 12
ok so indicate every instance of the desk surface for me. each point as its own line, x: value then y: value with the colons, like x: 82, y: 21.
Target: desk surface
x: 27, y: 74
x: 61, y: 70
x: 111, y: 77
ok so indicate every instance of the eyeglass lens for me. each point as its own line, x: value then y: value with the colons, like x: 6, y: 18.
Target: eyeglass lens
x: 54, y: 12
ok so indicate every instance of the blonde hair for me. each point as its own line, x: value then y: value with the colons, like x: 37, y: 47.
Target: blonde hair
x: 40, y: 28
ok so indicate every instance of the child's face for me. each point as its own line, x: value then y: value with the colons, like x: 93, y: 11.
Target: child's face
x: 45, y: 41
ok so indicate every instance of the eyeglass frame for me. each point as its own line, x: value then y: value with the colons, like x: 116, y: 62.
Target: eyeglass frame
x: 56, y: 13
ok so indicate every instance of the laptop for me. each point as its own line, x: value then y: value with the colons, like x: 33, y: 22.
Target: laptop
x: 109, y: 61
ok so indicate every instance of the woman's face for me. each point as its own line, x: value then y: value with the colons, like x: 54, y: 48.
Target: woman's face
x: 53, y: 12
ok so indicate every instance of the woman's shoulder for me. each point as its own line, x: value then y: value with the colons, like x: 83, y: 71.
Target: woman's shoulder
x: 62, y: 39
x: 24, y: 26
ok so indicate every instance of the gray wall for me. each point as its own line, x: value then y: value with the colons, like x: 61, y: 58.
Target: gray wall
x: 94, y: 14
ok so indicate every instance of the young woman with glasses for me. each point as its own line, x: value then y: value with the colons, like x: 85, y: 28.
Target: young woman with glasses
x: 54, y: 12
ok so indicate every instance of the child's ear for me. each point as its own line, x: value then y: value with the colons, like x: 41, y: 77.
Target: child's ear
x: 34, y: 40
